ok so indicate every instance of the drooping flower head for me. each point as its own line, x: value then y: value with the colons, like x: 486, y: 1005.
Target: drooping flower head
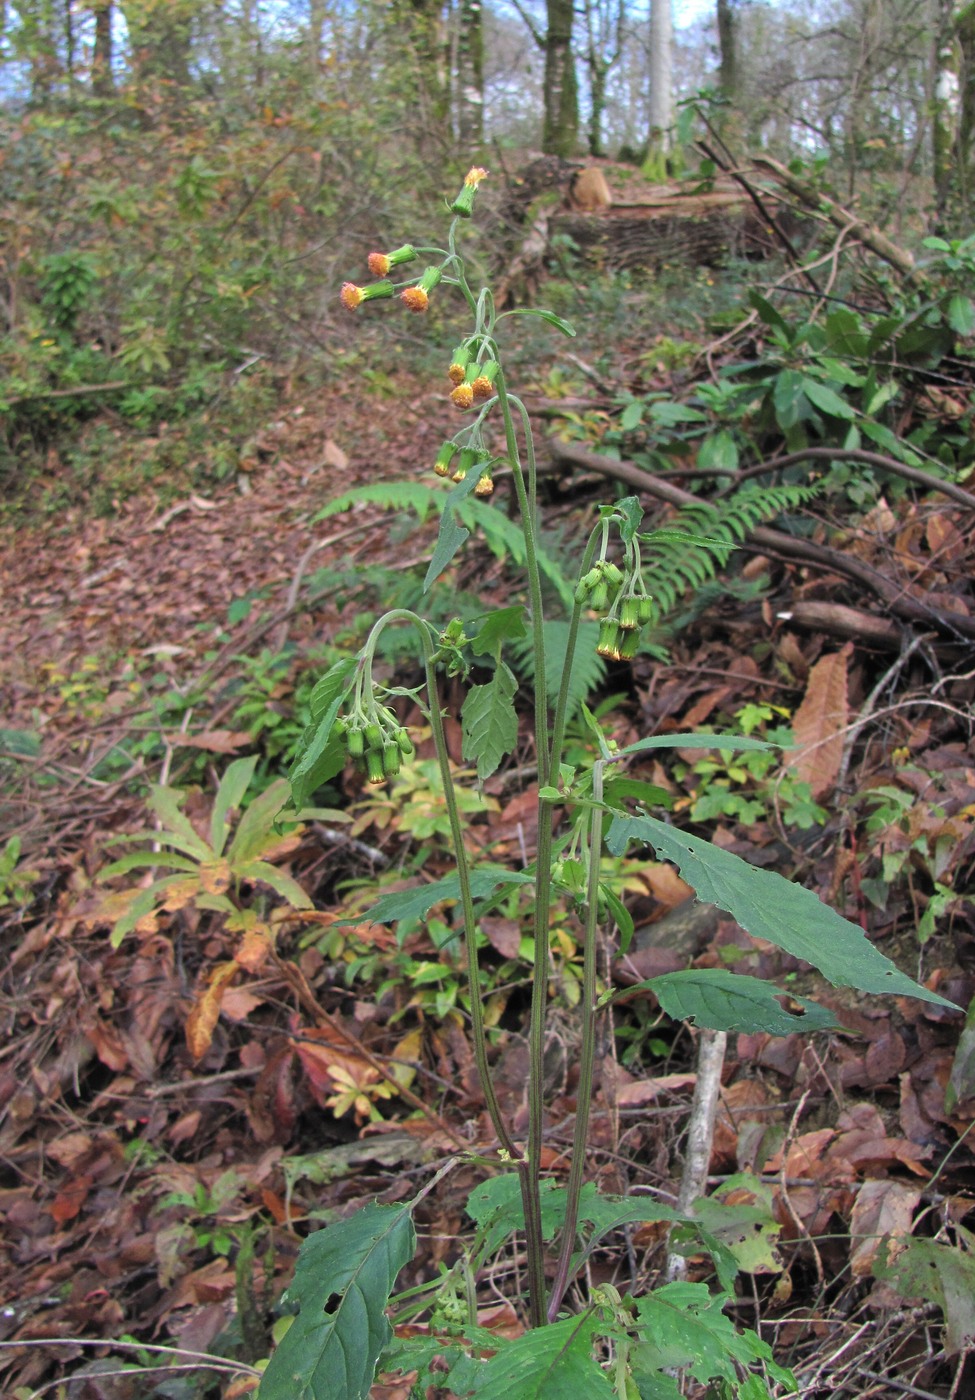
x: 464, y: 203
x: 380, y: 264
x: 352, y: 295
x: 417, y: 298
x: 483, y: 384
x: 462, y: 396
x: 459, y: 361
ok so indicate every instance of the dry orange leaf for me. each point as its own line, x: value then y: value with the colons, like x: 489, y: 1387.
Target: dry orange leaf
x: 882, y: 1208
x: 202, y: 1020
x: 820, y: 722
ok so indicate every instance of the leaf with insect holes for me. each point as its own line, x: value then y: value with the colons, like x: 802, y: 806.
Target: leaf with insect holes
x: 771, y: 907
x: 489, y: 721
x: 343, y: 1279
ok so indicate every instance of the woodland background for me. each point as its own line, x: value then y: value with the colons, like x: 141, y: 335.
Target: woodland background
x: 193, y: 1077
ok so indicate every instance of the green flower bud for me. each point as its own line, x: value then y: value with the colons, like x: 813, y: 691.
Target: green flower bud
x: 645, y: 609
x: 464, y: 203
x: 629, y: 613
x: 374, y: 737
x: 629, y: 644
x: 599, y: 597
x: 354, y: 743
x: 405, y: 743
x: 609, y: 639
x: 375, y: 772
x: 391, y: 760
x: 612, y: 573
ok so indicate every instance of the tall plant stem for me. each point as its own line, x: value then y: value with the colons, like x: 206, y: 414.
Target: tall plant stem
x: 531, y: 1199
x: 463, y: 871
x: 584, y: 1091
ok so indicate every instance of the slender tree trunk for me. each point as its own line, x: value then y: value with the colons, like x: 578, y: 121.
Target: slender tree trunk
x: 946, y: 121
x: 661, y: 86
x: 469, y: 68
x: 421, y: 22
x: 728, y: 50
x: 316, y: 28
x: 560, y: 128
x: 160, y: 33
x: 598, y: 73
x: 102, y: 78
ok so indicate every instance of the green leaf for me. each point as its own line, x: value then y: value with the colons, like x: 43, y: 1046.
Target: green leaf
x: 417, y: 903
x: 730, y: 1001
x: 890, y: 442
x: 343, y: 1279
x: 729, y: 742
x: 773, y: 908
x: 788, y: 398
x: 622, y: 917
x: 389, y: 495
x: 632, y: 415
x: 177, y: 829
x: 544, y: 315
x: 749, y: 1232
x: 941, y: 1273
x: 682, y: 1327
x: 961, y: 1084
x: 451, y: 534
x: 255, y: 830
x: 449, y: 540
x: 502, y: 625
x: 551, y: 1363
x: 767, y: 312
x: 316, y: 747
x: 827, y: 400
x: 588, y: 667
x: 259, y: 871
x: 719, y: 452
x: 668, y: 414
x: 489, y: 721
x: 961, y: 315
x: 230, y: 794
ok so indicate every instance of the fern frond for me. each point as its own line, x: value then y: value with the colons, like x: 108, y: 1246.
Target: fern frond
x: 687, y: 555
x: 588, y: 667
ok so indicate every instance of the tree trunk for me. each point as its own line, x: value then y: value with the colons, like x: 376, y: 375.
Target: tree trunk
x: 102, y: 79
x: 469, y: 102
x: 661, y: 85
x: 728, y: 50
x: 422, y: 22
x: 560, y: 129
x: 160, y: 36
x: 598, y: 73
x: 946, y: 124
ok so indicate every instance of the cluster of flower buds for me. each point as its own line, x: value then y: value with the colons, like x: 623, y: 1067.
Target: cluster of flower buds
x: 623, y: 604
x: 472, y: 381
x: 467, y: 459
x: 375, y: 742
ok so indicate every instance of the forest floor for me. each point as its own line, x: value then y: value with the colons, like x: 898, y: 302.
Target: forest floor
x: 153, y: 1196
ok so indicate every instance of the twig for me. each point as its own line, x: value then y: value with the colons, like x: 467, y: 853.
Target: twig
x: 700, y: 1134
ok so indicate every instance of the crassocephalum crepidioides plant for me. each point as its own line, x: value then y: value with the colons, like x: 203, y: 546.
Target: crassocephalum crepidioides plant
x: 333, y: 1350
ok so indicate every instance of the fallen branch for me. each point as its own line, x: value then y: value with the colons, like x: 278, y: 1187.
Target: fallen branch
x: 951, y: 624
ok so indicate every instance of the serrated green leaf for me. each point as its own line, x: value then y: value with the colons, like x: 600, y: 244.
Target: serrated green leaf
x: 496, y: 628
x: 551, y: 1363
x: 682, y: 1327
x: 343, y: 1279
x: 417, y: 903
x: 449, y: 539
x: 773, y: 908
x: 489, y: 721
x: 316, y: 745
x: 730, y: 1001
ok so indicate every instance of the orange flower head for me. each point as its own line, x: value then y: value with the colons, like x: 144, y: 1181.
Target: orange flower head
x: 415, y: 298
x: 482, y: 388
x: 484, y: 487
x: 475, y: 175
x: 352, y: 296
x: 462, y: 396
x: 456, y: 374
x: 379, y: 264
